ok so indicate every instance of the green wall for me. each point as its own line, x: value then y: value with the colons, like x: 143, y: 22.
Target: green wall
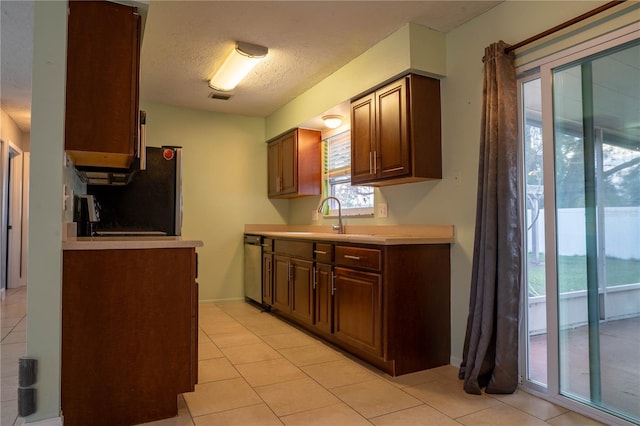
x: 224, y: 187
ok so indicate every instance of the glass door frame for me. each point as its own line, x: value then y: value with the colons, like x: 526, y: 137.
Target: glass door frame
x: 543, y: 69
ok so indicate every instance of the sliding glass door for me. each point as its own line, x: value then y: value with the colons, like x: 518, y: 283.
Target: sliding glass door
x: 582, y: 308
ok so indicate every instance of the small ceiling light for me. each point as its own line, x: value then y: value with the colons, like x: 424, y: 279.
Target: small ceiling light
x: 332, y: 121
x: 240, y: 61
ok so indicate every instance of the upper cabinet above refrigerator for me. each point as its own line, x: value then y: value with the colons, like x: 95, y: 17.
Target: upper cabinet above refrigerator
x: 103, y: 63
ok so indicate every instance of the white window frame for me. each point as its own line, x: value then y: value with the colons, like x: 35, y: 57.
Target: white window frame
x: 344, y: 170
x: 543, y: 69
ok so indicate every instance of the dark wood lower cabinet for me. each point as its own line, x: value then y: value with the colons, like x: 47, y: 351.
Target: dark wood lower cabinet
x: 358, y: 309
x: 129, y: 334
x: 387, y: 304
x: 281, y: 289
x: 302, y: 299
x: 323, y: 276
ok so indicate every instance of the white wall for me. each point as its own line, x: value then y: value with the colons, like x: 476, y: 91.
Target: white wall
x: 224, y: 187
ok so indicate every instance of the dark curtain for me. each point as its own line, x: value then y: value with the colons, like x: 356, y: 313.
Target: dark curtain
x: 490, y: 356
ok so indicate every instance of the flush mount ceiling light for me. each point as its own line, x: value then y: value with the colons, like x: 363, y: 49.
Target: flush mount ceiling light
x: 332, y: 121
x: 237, y: 65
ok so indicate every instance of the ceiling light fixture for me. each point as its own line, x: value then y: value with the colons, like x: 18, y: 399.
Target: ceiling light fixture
x: 332, y: 121
x: 237, y: 65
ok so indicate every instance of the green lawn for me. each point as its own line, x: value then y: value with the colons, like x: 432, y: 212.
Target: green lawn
x: 572, y: 273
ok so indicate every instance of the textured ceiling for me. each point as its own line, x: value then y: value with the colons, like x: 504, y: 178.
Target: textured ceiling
x: 184, y: 42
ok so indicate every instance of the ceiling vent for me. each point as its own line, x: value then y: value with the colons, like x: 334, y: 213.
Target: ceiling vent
x: 220, y: 96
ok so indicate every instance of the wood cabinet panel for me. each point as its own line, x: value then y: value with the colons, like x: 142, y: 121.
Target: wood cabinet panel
x: 323, y: 276
x: 294, y: 164
x: 323, y: 253
x: 396, y: 133
x: 358, y: 309
x: 393, y: 155
x: 281, y: 289
x: 103, y: 57
x: 359, y: 257
x: 303, y: 298
x: 127, y: 334
x: 363, y: 139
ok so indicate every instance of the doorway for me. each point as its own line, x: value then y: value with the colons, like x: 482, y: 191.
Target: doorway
x: 13, y: 216
x: 581, y: 173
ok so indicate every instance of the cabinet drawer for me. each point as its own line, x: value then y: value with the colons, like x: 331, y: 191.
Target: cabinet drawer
x: 359, y: 257
x: 303, y: 249
x: 323, y: 253
x: 267, y: 244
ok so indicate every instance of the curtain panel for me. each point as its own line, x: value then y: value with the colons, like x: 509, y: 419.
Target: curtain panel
x: 490, y: 355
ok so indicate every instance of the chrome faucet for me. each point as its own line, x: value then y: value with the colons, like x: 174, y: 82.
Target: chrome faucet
x: 339, y: 227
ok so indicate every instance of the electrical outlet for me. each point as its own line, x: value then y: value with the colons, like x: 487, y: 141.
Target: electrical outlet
x: 382, y: 210
x: 315, y: 215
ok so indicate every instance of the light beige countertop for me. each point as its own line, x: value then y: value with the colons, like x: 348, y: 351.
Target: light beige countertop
x: 381, y: 235
x: 128, y: 243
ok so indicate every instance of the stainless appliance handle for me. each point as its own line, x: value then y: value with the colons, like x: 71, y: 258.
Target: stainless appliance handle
x: 142, y: 141
x: 178, y: 221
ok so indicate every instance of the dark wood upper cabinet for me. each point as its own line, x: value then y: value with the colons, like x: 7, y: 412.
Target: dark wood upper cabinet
x: 396, y: 133
x: 103, y: 63
x: 294, y: 164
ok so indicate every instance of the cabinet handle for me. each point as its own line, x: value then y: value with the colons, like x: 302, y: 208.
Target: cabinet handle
x: 333, y: 284
x: 375, y: 162
x: 319, y: 252
x: 265, y: 245
x: 370, y: 163
x: 288, y: 271
x: 315, y: 277
x: 348, y: 256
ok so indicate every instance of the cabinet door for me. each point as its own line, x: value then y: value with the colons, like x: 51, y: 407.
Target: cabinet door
x: 393, y: 154
x: 323, y: 279
x: 267, y: 278
x: 363, y: 140
x: 302, y: 299
x: 357, y: 309
x: 289, y: 164
x: 281, y: 291
x: 101, y: 119
x: 273, y: 168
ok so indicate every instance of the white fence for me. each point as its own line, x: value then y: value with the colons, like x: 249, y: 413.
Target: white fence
x: 621, y: 233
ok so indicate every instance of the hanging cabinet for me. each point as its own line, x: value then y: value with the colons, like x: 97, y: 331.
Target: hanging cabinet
x: 103, y: 63
x: 294, y: 164
x: 396, y: 134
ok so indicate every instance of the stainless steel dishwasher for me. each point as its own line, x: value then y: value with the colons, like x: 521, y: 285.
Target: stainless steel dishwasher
x: 253, y: 268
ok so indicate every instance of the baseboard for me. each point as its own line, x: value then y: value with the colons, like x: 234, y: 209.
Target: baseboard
x: 233, y: 299
x: 455, y: 361
x: 55, y: 421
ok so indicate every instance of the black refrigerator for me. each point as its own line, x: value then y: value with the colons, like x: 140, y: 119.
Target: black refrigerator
x: 151, y: 204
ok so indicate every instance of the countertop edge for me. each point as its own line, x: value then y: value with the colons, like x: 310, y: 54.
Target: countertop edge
x: 108, y: 243
x: 358, y: 239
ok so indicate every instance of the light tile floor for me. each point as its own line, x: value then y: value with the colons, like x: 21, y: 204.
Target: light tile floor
x: 255, y: 369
